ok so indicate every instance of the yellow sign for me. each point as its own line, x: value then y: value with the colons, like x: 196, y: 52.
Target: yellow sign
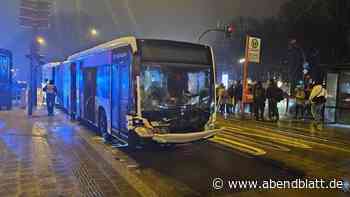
x: 254, y: 49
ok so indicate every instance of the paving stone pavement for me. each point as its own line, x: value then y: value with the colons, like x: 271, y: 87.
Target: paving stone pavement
x: 44, y: 156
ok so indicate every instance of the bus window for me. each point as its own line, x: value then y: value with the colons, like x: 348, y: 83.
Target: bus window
x: 5, y: 79
x: 89, y: 94
x: 171, y: 85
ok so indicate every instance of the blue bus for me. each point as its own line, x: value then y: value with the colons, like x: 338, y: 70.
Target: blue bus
x: 5, y: 79
x: 142, y: 90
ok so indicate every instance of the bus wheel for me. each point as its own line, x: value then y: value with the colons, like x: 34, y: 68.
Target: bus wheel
x: 102, y: 127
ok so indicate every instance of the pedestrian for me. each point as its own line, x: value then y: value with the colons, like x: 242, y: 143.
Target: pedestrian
x: 220, y: 96
x: 249, y: 101
x: 299, y: 102
x: 274, y: 96
x: 259, y: 97
x: 318, y: 99
x: 307, y: 107
x: 231, y: 95
x: 51, y: 92
x: 225, y: 103
x: 238, y: 95
x: 43, y: 85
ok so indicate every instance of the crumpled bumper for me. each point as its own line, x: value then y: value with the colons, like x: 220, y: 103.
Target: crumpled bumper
x: 184, y: 137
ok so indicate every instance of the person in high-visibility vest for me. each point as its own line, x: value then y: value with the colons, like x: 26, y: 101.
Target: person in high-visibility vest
x: 51, y: 92
x: 318, y: 98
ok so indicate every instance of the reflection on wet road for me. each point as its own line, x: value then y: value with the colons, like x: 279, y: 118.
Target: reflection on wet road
x: 324, y: 153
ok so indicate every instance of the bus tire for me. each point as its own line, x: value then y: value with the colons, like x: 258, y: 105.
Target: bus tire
x: 102, y: 126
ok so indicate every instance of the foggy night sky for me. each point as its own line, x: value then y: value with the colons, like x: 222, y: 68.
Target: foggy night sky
x: 71, y: 20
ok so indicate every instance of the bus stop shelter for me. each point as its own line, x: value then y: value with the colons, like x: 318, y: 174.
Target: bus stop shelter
x: 337, y: 77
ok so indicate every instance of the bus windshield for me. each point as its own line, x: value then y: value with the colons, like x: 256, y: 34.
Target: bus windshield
x: 170, y: 85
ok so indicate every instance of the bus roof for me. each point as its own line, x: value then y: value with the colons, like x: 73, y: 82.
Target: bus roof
x: 130, y: 40
x: 106, y: 46
x: 52, y: 64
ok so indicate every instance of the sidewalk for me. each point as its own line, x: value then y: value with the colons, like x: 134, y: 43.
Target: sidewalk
x: 50, y: 156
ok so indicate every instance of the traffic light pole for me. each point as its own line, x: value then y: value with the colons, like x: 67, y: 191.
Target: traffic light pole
x: 207, y: 31
x: 245, y: 77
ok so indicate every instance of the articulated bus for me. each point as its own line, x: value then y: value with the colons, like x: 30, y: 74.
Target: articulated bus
x: 5, y: 79
x: 142, y: 90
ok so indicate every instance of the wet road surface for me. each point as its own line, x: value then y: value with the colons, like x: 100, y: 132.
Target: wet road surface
x: 45, y: 156
x: 317, y: 150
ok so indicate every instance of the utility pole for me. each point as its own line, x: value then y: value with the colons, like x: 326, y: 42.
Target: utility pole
x: 34, y: 15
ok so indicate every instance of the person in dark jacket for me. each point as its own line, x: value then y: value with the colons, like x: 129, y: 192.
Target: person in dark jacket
x: 259, y: 97
x: 231, y: 95
x: 307, y: 107
x: 238, y: 94
x: 271, y: 95
x: 51, y: 92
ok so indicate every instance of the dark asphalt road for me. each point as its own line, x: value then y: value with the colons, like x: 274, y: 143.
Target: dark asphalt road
x: 51, y: 156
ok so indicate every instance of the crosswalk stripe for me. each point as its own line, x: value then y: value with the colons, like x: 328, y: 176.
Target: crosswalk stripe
x: 249, y: 140
x: 273, y: 137
x: 291, y: 134
x: 239, y: 146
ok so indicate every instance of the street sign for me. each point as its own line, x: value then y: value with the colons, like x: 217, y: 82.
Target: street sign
x: 254, y: 49
x: 252, y: 54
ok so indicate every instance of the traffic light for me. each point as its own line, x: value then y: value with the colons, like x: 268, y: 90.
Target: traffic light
x: 229, y: 29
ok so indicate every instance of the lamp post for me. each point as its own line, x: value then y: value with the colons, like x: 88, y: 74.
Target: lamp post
x: 34, y: 15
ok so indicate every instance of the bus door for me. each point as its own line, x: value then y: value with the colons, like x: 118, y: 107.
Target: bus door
x: 5, y: 79
x: 73, y: 90
x: 89, y: 94
x: 121, y: 66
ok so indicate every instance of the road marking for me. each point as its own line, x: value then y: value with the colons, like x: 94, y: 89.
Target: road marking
x: 249, y: 140
x: 286, y: 139
x: 239, y: 146
x: 277, y: 124
x: 291, y: 134
x: 273, y: 137
x: 132, y: 166
x: 334, y: 141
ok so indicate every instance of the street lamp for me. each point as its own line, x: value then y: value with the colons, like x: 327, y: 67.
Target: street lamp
x: 241, y: 61
x: 93, y: 32
x: 40, y: 40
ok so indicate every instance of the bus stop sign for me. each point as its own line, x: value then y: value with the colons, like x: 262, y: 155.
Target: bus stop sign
x: 254, y: 49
